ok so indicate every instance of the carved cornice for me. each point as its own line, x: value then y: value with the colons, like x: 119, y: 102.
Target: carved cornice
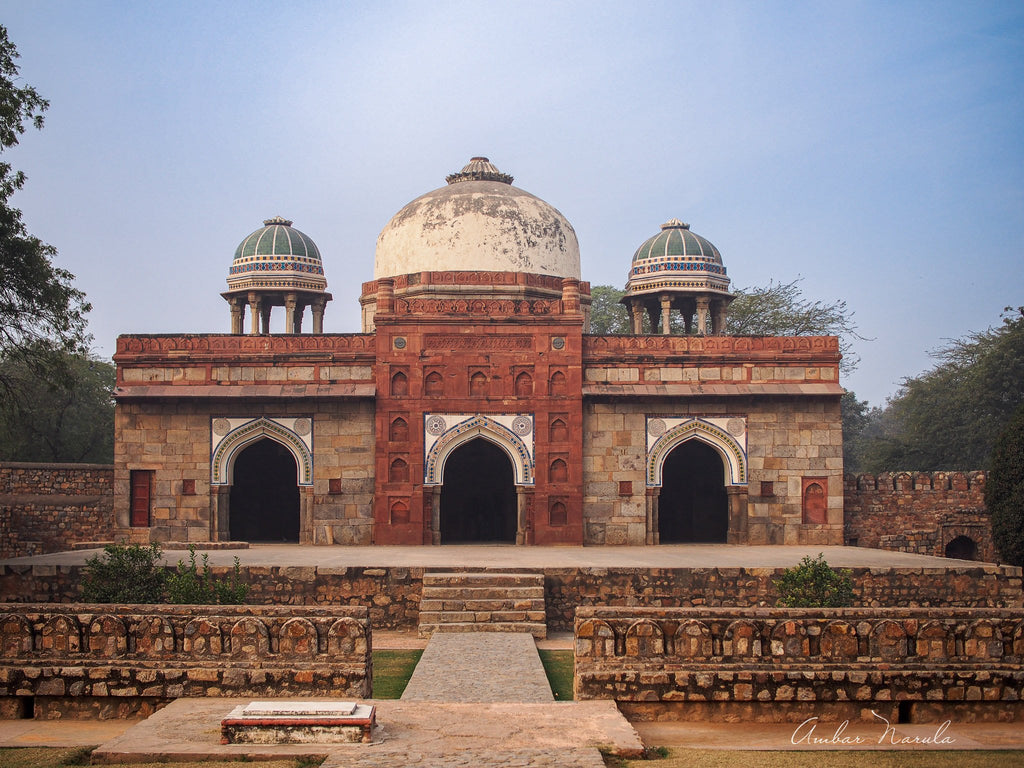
x: 213, y: 347
x: 819, y: 348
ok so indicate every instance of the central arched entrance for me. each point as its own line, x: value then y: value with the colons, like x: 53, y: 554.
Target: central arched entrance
x: 692, y: 505
x: 478, y: 497
x: 264, y: 503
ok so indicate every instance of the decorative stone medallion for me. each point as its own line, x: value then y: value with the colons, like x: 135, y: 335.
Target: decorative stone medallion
x: 558, y: 343
x: 655, y: 427
x: 302, y: 426
x: 399, y: 342
x: 221, y: 426
x: 436, y: 425
x: 522, y: 425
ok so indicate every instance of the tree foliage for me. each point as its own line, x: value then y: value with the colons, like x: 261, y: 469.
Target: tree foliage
x: 71, y: 423
x: 814, y: 584
x: 41, y: 313
x: 607, y: 315
x: 947, y: 418
x: 1004, y: 490
x: 780, y: 309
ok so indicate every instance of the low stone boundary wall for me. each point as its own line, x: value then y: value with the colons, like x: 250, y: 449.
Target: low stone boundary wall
x: 118, y: 660
x: 46, y: 507
x: 907, y: 665
x: 392, y: 595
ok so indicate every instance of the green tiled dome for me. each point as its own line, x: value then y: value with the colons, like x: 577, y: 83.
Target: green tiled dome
x: 277, y: 237
x: 676, y: 239
x: 279, y: 257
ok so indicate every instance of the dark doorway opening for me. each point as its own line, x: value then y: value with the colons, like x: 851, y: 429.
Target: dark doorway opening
x: 693, y: 506
x: 478, y: 498
x: 264, y: 503
x: 962, y: 548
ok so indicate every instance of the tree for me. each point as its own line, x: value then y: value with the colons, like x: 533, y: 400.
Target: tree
x: 856, y: 418
x: 1004, y: 490
x: 73, y: 422
x: 947, y: 418
x: 607, y: 315
x: 41, y: 313
x: 780, y: 309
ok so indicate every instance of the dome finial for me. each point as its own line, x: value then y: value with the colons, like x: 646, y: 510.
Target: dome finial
x: 479, y: 169
x: 675, y: 224
x: 277, y: 220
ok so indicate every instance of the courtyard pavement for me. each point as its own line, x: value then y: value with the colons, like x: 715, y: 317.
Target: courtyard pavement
x: 509, y: 556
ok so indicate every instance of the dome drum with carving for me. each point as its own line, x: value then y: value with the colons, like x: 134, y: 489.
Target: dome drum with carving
x: 677, y: 269
x: 276, y: 266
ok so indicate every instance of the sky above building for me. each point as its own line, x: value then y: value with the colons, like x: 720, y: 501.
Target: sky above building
x: 871, y: 150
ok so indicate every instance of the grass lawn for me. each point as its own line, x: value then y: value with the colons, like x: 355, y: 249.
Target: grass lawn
x: 558, y: 666
x: 392, y: 670
x: 721, y: 758
x: 48, y: 757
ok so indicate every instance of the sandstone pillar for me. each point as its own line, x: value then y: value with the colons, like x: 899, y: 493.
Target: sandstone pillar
x: 237, y: 305
x: 703, y: 304
x: 737, y: 499
x: 570, y: 296
x: 318, y: 306
x: 290, y: 301
x: 666, y: 314
x: 254, y: 312
x: 636, y: 314
x: 435, y: 515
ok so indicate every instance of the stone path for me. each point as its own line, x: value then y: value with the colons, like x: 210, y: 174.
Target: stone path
x: 479, y: 667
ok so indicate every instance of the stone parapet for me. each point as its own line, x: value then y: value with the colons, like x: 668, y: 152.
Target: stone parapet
x: 904, y: 664
x: 116, y: 660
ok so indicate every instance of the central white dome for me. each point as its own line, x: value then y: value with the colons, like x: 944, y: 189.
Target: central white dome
x: 479, y: 222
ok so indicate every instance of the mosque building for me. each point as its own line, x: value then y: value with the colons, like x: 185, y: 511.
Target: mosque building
x: 475, y: 406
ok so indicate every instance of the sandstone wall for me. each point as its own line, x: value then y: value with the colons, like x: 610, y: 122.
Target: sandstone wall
x: 116, y: 661
x: 48, y: 507
x: 173, y: 439
x: 788, y: 664
x: 787, y: 440
x: 918, y: 512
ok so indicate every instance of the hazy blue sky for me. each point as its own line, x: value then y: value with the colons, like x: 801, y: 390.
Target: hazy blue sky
x: 873, y: 149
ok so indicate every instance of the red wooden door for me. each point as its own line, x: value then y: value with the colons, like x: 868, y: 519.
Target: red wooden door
x: 141, y: 482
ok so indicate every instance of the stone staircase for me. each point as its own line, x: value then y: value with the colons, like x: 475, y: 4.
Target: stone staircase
x: 483, y: 601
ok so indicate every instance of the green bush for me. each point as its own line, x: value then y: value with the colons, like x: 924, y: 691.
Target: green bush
x: 814, y: 584
x: 190, y: 584
x: 124, y: 574
x: 1004, y: 490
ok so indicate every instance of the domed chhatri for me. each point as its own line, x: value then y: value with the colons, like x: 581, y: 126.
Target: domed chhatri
x: 275, y: 266
x: 478, y: 221
x: 678, y: 269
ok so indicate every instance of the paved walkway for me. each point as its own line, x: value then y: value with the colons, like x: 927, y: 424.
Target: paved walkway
x: 481, y: 667
x: 508, y: 556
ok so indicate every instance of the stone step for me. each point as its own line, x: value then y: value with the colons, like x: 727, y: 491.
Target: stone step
x: 478, y: 578
x: 483, y: 593
x: 427, y: 606
x: 440, y: 617
x: 539, y: 631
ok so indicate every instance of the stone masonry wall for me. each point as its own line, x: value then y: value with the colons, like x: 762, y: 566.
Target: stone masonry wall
x: 173, y: 440
x: 48, y: 507
x: 918, y: 512
x: 788, y: 664
x: 115, y: 661
x: 786, y: 441
x: 392, y: 595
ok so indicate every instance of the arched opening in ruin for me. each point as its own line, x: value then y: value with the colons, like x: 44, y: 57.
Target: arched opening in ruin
x: 962, y: 548
x: 478, y: 496
x: 692, y: 505
x: 264, y: 503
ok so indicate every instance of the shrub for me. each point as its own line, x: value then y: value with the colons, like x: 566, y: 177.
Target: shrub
x: 1004, y: 490
x: 190, y: 584
x: 814, y: 584
x: 124, y: 574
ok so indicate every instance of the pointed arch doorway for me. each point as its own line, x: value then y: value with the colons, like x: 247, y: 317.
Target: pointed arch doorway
x: 693, y: 505
x: 478, y: 495
x: 264, y: 503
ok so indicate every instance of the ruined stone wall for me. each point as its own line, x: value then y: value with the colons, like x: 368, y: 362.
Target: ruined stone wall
x: 392, y: 595
x: 788, y: 664
x: 787, y: 440
x: 116, y: 661
x: 918, y: 512
x: 172, y: 438
x: 48, y: 507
